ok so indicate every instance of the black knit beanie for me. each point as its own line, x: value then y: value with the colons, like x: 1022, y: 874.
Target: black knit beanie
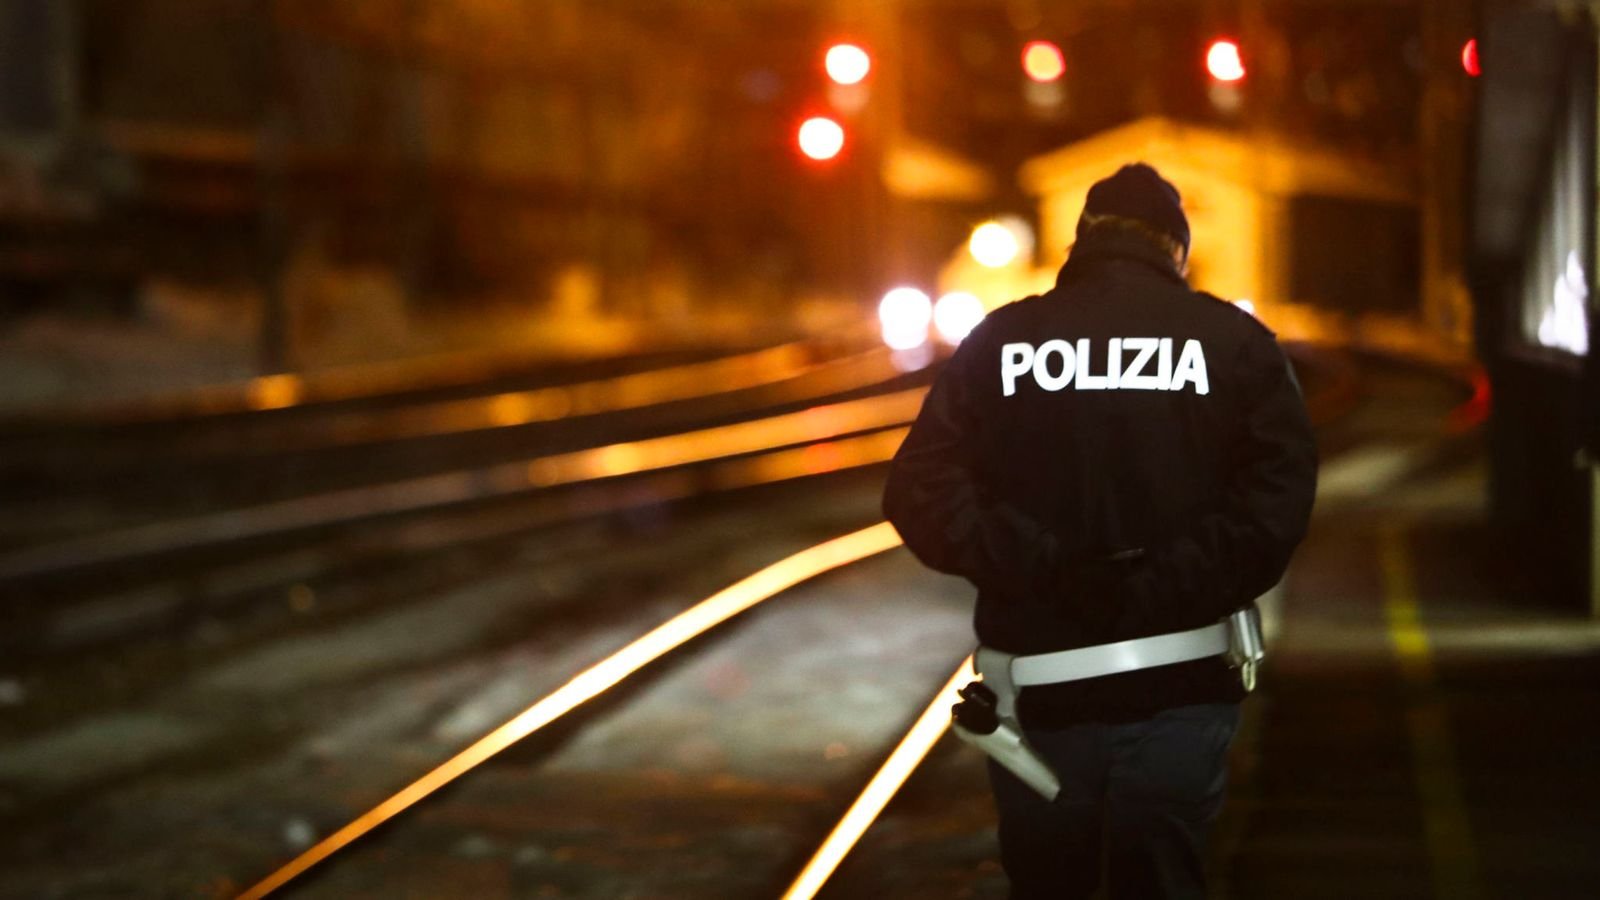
x: 1138, y: 191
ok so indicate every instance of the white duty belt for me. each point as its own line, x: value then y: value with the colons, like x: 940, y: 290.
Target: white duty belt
x: 990, y: 723
x: 1238, y: 638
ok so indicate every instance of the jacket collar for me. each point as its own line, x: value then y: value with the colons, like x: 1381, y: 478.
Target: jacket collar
x: 1094, y: 251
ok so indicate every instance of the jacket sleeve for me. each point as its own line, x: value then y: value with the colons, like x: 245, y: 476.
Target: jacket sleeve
x: 1240, y: 548
x: 936, y: 500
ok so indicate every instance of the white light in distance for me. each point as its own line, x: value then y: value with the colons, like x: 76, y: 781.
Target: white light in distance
x: 1245, y: 305
x: 993, y: 245
x: 1565, y: 324
x: 821, y: 138
x: 955, y: 315
x: 1223, y: 61
x: 905, y: 314
x: 847, y: 63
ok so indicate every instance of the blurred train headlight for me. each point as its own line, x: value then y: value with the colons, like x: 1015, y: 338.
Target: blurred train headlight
x: 1000, y: 242
x: 993, y: 245
x: 955, y: 315
x: 905, y: 314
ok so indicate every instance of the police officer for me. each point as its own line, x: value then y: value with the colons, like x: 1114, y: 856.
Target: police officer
x: 1116, y: 459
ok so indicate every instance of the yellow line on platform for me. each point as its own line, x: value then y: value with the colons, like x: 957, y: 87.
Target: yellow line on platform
x: 591, y: 682
x: 1446, y: 828
x: 910, y: 752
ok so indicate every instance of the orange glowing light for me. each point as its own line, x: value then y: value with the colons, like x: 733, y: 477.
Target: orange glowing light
x: 1043, y: 61
x: 1224, y: 62
x: 1469, y: 58
x: 821, y: 138
x: 274, y: 391
x: 591, y: 682
x: 910, y: 752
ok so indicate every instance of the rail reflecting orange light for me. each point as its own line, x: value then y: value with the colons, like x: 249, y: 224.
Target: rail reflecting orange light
x: 788, y: 373
x: 929, y: 727
x: 685, y: 626
x: 727, y: 440
x: 617, y: 393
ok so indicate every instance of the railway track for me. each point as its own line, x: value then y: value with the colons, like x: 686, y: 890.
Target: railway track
x: 90, y: 588
x: 79, y: 478
x: 582, y: 538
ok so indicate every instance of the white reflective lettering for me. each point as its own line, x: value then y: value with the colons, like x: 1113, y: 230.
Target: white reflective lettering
x: 1131, y: 379
x: 1191, y: 369
x: 1086, y: 381
x: 1017, y: 359
x: 1014, y: 360
x: 1041, y: 365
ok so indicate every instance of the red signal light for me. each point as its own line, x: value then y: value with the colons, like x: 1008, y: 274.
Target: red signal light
x: 1043, y: 61
x: 1224, y: 62
x: 1469, y: 58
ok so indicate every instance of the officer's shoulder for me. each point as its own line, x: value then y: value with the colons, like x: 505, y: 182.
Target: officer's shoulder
x: 1016, y: 309
x: 1239, y: 316
x: 1005, y: 319
x: 1027, y: 302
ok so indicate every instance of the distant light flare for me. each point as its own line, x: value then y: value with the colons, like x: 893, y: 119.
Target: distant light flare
x: 994, y: 245
x: 1043, y: 61
x: 591, y: 682
x: 955, y: 315
x: 1475, y: 410
x: 905, y: 758
x: 1245, y: 305
x: 847, y: 63
x: 821, y: 138
x: 275, y: 391
x: 1469, y: 58
x: 1223, y: 61
x: 905, y: 314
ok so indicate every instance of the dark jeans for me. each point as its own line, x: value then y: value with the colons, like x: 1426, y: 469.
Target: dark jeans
x: 1142, y: 795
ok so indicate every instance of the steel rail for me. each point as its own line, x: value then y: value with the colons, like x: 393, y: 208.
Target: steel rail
x: 591, y: 682
x: 353, y: 382
x: 474, y: 415
x: 903, y: 760
x: 462, y: 486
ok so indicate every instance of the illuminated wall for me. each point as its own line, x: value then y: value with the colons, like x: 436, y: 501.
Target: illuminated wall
x: 1238, y: 192
x: 1556, y: 300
